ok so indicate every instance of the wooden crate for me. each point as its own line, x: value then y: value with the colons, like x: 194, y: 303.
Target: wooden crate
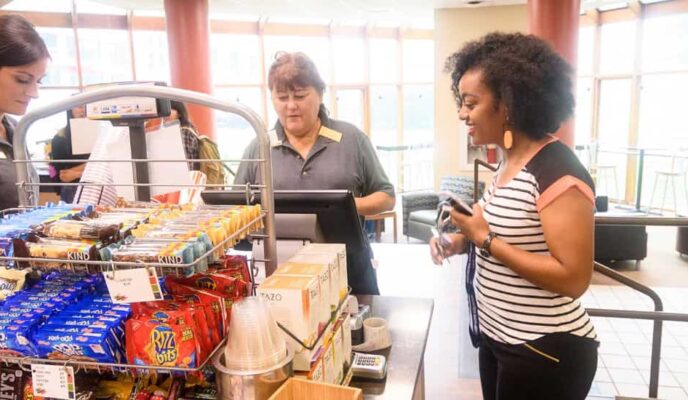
x: 300, y: 389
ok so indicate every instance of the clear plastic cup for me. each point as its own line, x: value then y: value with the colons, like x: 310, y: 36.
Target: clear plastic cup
x: 254, y: 341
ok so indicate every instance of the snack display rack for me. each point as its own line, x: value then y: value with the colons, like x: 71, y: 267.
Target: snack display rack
x: 27, y: 185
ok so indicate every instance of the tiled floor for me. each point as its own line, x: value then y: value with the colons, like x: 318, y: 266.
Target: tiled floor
x: 625, y: 345
x: 624, y: 363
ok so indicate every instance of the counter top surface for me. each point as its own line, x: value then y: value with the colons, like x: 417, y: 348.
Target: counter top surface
x: 409, y: 323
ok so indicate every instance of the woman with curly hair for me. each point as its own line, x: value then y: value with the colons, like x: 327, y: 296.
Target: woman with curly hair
x: 530, y: 237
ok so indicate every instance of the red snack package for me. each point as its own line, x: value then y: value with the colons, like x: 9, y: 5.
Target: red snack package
x: 204, y: 316
x: 185, y: 318
x: 151, y: 342
x: 236, y: 266
x: 214, y: 301
x: 226, y: 300
x: 171, y: 311
x: 222, y: 284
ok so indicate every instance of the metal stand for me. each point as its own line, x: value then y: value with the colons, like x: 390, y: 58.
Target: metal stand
x: 137, y: 141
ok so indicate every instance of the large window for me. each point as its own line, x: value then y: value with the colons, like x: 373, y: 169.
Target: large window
x: 151, y: 55
x: 632, y: 76
x: 105, y: 56
x: 664, y: 47
x: 617, y: 48
x: 378, y: 77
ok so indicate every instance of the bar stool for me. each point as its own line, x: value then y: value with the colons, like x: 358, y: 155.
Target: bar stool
x: 602, y: 173
x: 677, y: 172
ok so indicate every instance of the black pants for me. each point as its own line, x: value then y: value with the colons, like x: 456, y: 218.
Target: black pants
x: 558, y: 366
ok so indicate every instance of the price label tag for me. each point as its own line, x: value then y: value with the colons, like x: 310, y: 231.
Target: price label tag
x: 54, y: 381
x: 133, y: 285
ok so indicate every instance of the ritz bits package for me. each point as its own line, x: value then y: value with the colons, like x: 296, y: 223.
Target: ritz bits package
x: 182, y: 330
x: 152, y: 342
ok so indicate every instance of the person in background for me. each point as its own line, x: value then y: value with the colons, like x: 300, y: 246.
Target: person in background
x: 61, y: 149
x: 311, y: 151
x: 23, y: 63
x: 530, y: 237
x: 98, y: 172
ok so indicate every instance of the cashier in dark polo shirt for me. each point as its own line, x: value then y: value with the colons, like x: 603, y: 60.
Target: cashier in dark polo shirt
x: 311, y: 151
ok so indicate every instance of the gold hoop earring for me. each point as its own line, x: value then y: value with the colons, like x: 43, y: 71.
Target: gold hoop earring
x: 508, y: 139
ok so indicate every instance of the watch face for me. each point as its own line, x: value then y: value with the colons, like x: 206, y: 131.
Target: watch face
x: 484, y: 253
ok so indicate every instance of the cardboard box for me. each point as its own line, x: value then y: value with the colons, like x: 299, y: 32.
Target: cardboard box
x: 338, y: 249
x: 328, y: 361
x: 304, y: 358
x: 293, y: 301
x: 322, y: 273
x: 297, y: 389
x: 346, y: 340
x: 331, y: 262
x: 338, y: 348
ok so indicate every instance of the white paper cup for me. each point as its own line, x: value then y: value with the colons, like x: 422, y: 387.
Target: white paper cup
x: 376, y: 335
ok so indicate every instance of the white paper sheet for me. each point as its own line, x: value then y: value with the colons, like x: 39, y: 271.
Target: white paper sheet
x: 85, y: 132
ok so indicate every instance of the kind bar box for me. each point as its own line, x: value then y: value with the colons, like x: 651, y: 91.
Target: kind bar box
x: 337, y: 251
x: 322, y: 273
x: 293, y: 302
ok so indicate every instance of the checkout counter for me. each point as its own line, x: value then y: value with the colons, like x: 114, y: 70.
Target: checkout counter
x: 409, y: 323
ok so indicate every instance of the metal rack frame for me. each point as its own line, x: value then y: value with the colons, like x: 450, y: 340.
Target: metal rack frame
x: 27, y: 182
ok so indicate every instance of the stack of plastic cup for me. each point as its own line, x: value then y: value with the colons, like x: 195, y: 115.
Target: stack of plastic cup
x: 254, y: 342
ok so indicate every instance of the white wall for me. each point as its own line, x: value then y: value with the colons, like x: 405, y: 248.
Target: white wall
x: 453, y: 28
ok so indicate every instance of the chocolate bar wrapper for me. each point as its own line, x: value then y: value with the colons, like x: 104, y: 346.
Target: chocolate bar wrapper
x: 11, y: 383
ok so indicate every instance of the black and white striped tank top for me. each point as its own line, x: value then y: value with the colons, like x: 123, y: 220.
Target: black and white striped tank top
x: 511, y: 309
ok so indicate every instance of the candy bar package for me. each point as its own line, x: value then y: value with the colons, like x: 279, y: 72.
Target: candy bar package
x: 11, y: 280
x: 11, y: 383
x: 77, y: 230
x: 61, y: 249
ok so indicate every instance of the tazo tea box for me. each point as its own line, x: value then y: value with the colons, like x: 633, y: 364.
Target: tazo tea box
x: 346, y: 340
x: 293, y: 302
x: 317, y: 373
x: 338, y: 253
x: 338, y: 287
x: 338, y: 348
x: 320, y: 271
x: 328, y: 360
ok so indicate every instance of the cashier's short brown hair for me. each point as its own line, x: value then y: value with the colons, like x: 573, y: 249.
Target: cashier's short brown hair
x: 293, y: 70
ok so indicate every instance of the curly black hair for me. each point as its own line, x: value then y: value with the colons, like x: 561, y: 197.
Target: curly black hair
x: 525, y: 73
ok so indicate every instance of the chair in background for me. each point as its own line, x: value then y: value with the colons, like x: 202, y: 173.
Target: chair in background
x: 420, y: 208
x: 677, y: 172
x: 602, y: 172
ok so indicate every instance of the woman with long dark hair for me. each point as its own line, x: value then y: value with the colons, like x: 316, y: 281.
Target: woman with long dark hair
x: 23, y: 62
